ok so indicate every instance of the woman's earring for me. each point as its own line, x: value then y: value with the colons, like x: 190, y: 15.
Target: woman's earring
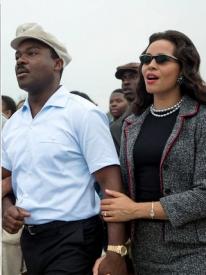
x: 180, y: 79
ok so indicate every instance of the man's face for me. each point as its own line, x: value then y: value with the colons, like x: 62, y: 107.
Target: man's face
x: 34, y: 66
x: 129, y: 84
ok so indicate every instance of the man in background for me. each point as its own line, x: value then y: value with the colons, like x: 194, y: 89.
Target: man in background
x: 8, y: 106
x: 128, y: 74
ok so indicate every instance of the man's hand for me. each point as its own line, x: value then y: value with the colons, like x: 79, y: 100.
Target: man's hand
x: 110, y: 178
x: 13, y: 218
x: 110, y: 264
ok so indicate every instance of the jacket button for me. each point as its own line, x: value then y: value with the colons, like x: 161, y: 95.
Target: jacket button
x: 165, y: 166
x: 167, y: 191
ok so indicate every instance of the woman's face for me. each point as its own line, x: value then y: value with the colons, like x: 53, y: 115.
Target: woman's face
x: 161, y: 78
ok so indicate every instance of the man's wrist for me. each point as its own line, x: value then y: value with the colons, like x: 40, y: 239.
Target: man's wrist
x: 118, y: 249
x: 113, y: 254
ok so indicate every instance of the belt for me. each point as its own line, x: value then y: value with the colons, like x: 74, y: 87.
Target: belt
x: 34, y: 229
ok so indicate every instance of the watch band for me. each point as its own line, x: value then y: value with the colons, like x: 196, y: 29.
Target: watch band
x: 119, y: 249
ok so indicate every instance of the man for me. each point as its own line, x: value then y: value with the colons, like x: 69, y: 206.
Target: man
x: 54, y: 148
x: 128, y: 74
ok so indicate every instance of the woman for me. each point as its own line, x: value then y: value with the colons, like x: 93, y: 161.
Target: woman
x: 163, y: 160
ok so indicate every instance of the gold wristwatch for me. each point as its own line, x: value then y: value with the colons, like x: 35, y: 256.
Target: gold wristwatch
x: 119, y: 249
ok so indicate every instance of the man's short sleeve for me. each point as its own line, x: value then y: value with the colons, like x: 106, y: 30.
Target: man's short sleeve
x: 96, y: 141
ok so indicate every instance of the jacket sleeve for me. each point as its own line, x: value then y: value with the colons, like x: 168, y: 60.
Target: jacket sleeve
x: 190, y: 205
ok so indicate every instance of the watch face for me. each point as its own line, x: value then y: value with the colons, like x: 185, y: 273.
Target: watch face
x: 123, y: 251
x: 120, y: 249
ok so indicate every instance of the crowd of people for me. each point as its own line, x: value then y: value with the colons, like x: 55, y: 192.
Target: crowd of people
x: 72, y: 174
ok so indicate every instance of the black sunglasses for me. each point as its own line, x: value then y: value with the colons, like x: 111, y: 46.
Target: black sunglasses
x: 160, y: 58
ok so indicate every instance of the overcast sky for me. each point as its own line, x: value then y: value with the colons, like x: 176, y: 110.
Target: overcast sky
x: 100, y: 35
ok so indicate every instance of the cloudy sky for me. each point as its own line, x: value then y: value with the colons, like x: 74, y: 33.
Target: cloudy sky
x: 100, y: 35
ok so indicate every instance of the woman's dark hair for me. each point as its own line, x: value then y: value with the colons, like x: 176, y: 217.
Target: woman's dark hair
x: 189, y: 60
x: 9, y: 103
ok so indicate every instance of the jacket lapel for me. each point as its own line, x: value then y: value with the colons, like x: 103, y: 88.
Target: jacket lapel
x: 188, y: 109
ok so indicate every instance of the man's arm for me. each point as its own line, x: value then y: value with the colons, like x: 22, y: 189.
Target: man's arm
x: 113, y: 263
x: 6, y: 186
x: 110, y: 177
x: 5, y: 173
x: 12, y: 216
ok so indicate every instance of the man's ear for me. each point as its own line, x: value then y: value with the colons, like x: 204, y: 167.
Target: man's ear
x: 58, y: 64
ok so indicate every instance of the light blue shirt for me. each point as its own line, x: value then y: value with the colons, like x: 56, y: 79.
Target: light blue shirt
x: 53, y: 155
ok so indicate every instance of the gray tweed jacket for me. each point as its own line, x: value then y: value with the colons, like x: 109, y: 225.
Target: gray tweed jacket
x: 182, y: 171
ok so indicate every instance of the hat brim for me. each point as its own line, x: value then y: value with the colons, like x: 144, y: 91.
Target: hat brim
x: 120, y: 72
x: 17, y: 41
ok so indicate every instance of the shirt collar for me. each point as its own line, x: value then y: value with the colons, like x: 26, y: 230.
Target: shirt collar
x: 58, y: 99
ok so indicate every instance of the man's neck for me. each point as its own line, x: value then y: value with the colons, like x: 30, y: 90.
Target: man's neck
x: 38, y: 100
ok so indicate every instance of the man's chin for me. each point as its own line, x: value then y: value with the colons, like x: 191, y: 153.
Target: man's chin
x: 129, y: 96
x: 23, y: 86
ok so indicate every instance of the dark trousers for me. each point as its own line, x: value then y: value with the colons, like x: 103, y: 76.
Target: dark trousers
x: 68, y: 249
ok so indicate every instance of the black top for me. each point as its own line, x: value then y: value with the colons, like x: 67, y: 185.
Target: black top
x: 147, y: 152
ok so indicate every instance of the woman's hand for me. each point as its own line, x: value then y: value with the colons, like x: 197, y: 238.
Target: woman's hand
x: 119, y: 208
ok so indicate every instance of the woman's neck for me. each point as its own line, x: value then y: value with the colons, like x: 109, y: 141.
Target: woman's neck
x: 166, y: 100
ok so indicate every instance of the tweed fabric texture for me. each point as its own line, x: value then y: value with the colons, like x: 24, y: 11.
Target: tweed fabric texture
x: 183, y: 184
x: 152, y: 255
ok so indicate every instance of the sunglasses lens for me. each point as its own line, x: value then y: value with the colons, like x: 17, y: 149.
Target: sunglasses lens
x: 161, y: 58
x: 145, y: 59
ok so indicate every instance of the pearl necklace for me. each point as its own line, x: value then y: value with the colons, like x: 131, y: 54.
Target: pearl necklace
x: 167, y: 111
